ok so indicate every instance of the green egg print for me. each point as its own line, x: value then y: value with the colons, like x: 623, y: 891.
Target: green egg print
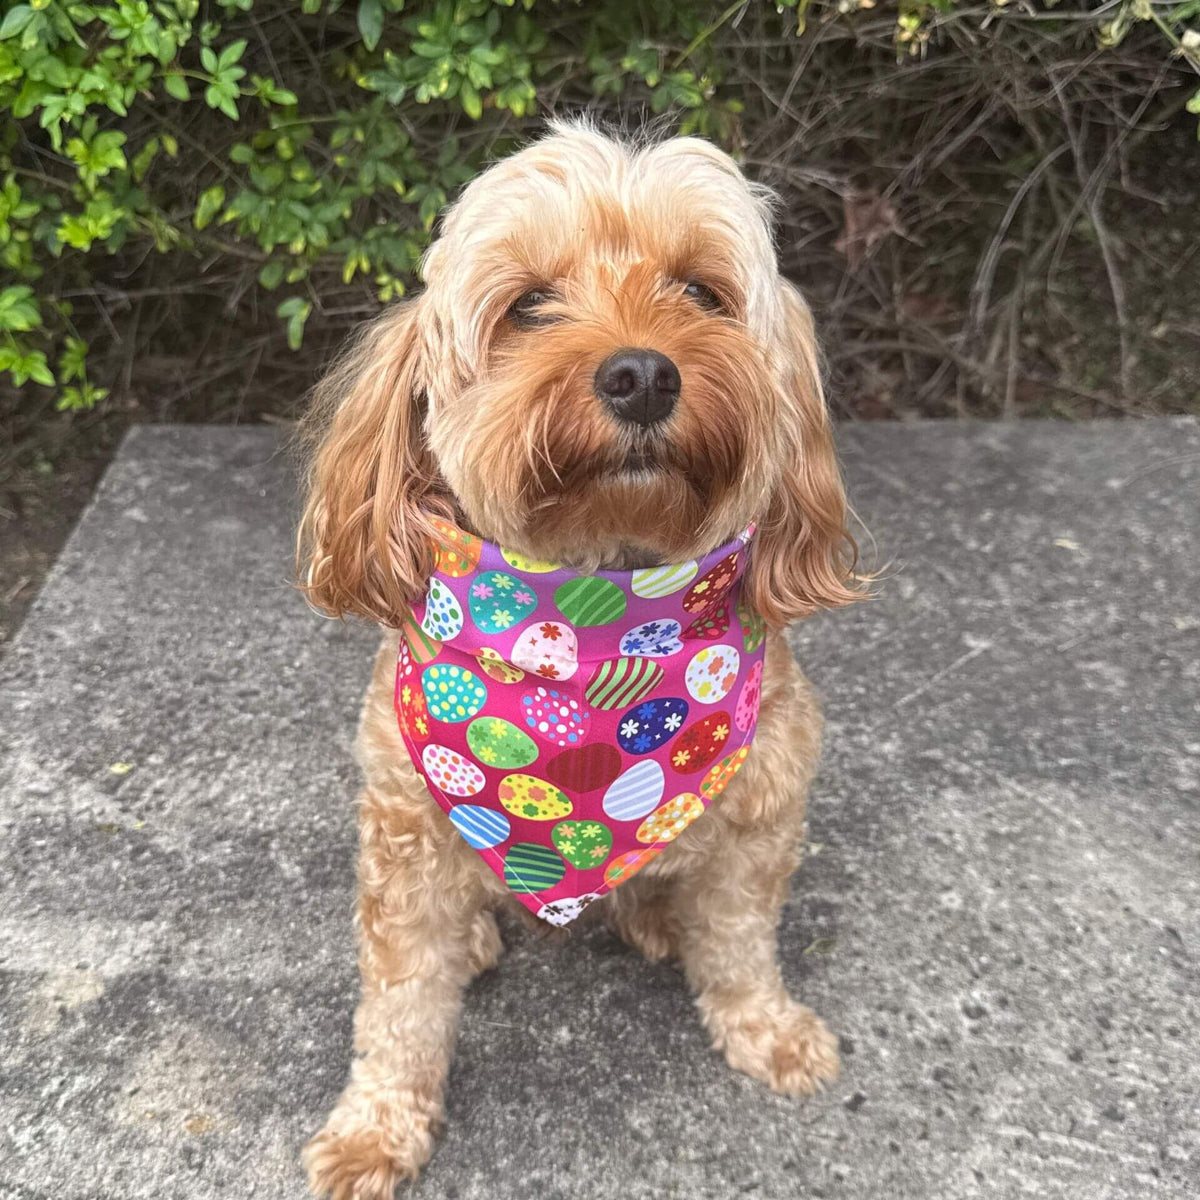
x: 499, y: 743
x: 583, y: 844
x: 590, y: 601
x: 754, y: 628
x: 530, y: 868
x: 500, y: 601
x: 452, y: 694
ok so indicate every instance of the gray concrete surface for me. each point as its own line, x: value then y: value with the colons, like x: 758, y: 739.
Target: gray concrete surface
x: 1000, y: 916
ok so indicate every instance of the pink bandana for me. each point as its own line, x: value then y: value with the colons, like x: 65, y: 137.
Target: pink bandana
x: 572, y: 725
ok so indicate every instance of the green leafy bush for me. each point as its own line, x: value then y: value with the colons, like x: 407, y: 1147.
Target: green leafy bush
x: 307, y: 147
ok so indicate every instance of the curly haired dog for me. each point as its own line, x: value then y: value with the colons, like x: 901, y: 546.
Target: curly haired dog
x: 477, y: 402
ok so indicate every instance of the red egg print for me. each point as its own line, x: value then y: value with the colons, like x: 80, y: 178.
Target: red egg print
x: 412, y: 711
x: 585, y: 768
x: 709, y: 590
x: 697, y: 746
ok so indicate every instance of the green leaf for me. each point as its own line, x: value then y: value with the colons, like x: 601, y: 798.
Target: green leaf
x: 15, y: 20
x: 19, y: 310
x: 370, y: 22
x: 296, y: 311
x: 208, y: 60
x: 230, y: 55
x: 471, y: 103
x: 177, y: 86
x: 271, y: 276
x: 1193, y: 105
x: 208, y: 205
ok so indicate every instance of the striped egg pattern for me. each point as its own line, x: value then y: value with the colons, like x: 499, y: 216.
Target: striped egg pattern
x: 635, y: 793
x: 590, y: 601
x: 531, y: 868
x: 653, y: 583
x: 619, y: 682
x: 482, y: 828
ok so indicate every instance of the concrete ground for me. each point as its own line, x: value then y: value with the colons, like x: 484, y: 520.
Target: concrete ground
x: 999, y: 915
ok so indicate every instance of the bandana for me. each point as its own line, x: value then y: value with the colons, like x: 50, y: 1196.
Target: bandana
x: 571, y: 726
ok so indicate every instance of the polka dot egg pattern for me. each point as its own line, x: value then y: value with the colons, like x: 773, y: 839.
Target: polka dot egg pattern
x: 555, y: 716
x: 500, y: 601
x: 455, y: 552
x: 450, y: 771
x: 530, y: 566
x: 718, y: 779
x: 549, y: 649
x: 443, y: 614
x: 712, y: 673
x: 452, y: 693
x: 665, y: 824
x: 532, y: 798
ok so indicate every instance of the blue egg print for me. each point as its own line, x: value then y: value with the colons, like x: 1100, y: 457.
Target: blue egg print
x: 651, y: 724
x: 636, y: 793
x: 500, y: 601
x: 653, y: 639
x: 481, y: 827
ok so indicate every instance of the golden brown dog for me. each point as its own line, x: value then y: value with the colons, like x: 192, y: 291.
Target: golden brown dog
x: 477, y: 402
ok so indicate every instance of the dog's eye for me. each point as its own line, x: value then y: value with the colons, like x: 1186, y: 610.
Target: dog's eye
x: 528, y: 311
x: 702, y: 295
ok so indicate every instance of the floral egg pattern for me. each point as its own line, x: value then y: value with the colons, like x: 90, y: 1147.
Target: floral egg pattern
x: 532, y: 798
x: 555, y: 716
x: 700, y: 743
x: 651, y: 724
x: 655, y: 639
x: 745, y: 715
x: 500, y: 601
x: 546, y: 709
x: 496, y: 742
x: 711, y: 587
x: 712, y: 673
x: 549, y: 649
x: 583, y: 844
x: 496, y: 668
x: 448, y: 770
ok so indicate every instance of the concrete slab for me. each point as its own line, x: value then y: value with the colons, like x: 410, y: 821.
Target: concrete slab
x: 1001, y: 919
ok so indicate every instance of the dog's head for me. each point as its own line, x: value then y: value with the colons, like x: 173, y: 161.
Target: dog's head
x: 605, y: 369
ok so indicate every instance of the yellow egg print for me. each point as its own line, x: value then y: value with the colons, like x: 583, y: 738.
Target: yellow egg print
x: 717, y: 780
x: 497, y: 668
x: 533, y: 798
x: 531, y: 566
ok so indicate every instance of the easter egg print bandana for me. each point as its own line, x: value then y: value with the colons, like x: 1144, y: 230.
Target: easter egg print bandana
x: 570, y: 725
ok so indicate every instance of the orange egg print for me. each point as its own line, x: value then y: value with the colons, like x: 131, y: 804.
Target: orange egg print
x: 717, y: 780
x: 666, y: 823
x: 627, y: 865
x: 456, y: 553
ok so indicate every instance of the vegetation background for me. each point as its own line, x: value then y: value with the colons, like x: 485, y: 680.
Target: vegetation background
x: 991, y: 204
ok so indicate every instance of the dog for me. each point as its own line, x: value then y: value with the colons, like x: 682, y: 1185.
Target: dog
x: 483, y: 404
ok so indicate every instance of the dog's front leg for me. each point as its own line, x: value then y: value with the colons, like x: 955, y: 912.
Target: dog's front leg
x: 727, y: 919
x: 424, y: 933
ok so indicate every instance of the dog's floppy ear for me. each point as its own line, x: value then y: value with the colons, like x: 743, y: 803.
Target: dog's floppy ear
x: 803, y: 557
x: 365, y: 541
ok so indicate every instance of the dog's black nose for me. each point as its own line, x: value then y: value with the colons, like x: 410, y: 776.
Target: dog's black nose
x: 638, y: 386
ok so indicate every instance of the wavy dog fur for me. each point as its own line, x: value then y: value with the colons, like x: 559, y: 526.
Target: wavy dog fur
x: 446, y: 407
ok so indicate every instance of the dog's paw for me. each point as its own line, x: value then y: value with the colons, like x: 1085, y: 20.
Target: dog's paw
x: 353, y: 1160
x: 793, y: 1052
